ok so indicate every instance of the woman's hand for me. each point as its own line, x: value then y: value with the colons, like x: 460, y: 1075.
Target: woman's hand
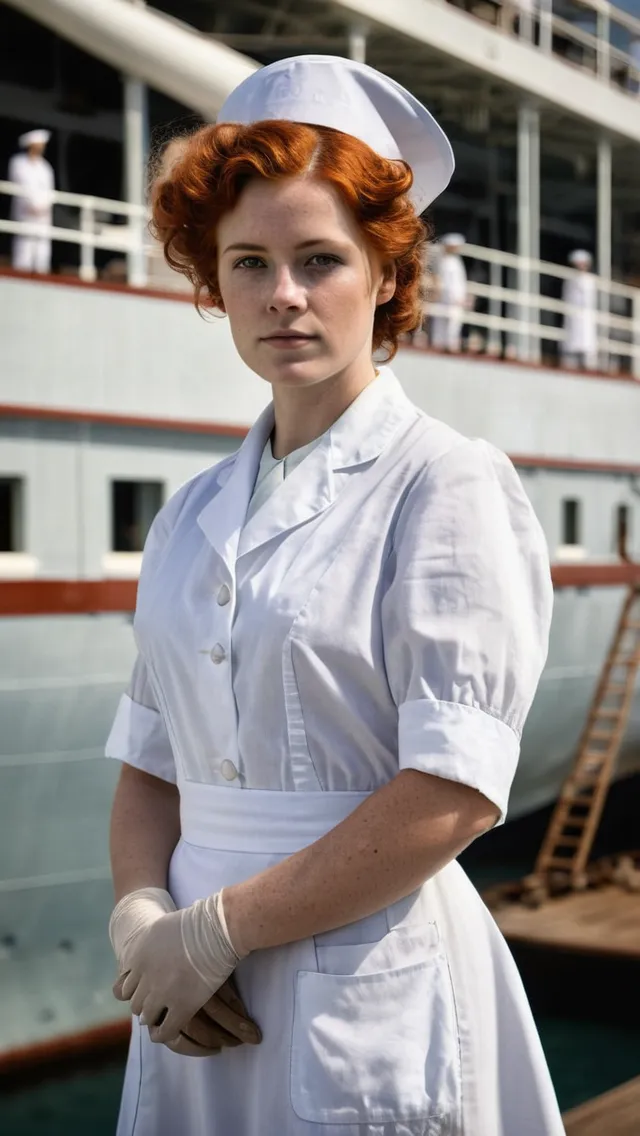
x: 177, y: 964
x: 132, y: 916
x: 222, y: 1023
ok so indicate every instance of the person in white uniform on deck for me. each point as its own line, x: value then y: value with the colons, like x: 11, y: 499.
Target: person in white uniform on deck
x: 31, y: 252
x: 580, y: 346
x: 341, y: 628
x: 451, y: 293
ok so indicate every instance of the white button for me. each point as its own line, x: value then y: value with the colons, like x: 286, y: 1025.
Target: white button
x: 228, y: 770
x: 223, y: 596
x: 218, y: 653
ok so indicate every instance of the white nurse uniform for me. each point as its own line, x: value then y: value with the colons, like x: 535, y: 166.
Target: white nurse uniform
x: 387, y: 606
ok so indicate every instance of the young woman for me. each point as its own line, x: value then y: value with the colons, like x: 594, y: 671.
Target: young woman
x: 341, y: 629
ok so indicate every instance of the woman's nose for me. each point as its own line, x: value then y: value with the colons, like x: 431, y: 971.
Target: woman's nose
x: 287, y: 292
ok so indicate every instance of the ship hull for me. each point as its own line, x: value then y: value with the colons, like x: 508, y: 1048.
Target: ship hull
x: 66, y: 643
x: 62, y: 676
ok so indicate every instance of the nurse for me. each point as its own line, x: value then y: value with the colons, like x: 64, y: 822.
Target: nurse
x: 31, y: 251
x: 341, y: 628
x: 580, y: 346
x: 451, y: 295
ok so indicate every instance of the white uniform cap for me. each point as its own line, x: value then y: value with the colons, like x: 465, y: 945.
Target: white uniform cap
x: 326, y: 90
x: 580, y: 256
x: 454, y: 240
x: 32, y: 137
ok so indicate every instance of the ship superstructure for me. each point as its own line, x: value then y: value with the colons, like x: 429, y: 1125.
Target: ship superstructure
x: 113, y: 392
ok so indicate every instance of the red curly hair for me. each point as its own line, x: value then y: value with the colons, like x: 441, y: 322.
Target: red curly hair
x: 206, y: 178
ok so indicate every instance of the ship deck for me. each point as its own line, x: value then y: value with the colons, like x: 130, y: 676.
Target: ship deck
x: 605, y: 921
x: 617, y: 1113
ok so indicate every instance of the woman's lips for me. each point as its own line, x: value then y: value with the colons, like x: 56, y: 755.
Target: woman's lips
x: 288, y: 341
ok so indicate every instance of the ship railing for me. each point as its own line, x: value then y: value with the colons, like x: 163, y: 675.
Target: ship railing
x: 592, y: 48
x: 92, y: 223
x: 513, y: 311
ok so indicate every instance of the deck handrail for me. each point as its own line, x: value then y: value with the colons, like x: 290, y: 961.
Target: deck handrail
x: 605, y: 52
x: 132, y: 239
x: 512, y: 290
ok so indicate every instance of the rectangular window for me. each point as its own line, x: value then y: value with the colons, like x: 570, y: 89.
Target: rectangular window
x: 622, y: 533
x: 11, y: 514
x: 134, y: 504
x: 571, y: 521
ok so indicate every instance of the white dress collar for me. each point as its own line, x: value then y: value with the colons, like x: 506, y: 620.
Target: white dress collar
x: 273, y: 471
x: 357, y: 437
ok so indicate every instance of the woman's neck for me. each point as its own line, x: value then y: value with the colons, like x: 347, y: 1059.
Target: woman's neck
x: 304, y: 413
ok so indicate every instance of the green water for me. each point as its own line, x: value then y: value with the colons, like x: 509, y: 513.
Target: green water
x: 83, y: 1104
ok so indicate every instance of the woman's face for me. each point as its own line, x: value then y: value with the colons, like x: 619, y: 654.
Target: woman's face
x: 298, y: 283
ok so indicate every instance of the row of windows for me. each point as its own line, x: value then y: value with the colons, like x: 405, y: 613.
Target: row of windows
x: 572, y: 523
x: 134, y: 504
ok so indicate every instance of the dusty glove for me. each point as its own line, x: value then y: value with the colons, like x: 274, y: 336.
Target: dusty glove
x: 222, y: 1023
x: 176, y: 964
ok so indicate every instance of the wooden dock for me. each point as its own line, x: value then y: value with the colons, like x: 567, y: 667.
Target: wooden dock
x: 613, y: 1114
x: 603, y: 921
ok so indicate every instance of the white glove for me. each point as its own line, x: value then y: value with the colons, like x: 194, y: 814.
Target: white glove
x: 132, y: 916
x: 176, y: 964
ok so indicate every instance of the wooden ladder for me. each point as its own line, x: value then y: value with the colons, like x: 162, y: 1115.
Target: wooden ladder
x: 574, y: 822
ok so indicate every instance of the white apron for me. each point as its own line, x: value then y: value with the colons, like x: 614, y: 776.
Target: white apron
x: 391, y: 1024
x: 277, y: 716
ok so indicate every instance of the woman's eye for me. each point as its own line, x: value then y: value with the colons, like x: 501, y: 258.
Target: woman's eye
x: 323, y: 260
x: 248, y: 262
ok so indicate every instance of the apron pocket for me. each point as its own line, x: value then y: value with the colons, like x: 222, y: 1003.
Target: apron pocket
x: 376, y: 1048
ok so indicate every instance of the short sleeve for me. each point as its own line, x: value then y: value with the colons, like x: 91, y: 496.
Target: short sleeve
x: 466, y: 614
x: 138, y: 734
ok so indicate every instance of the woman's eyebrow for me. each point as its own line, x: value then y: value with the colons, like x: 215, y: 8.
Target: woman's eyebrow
x: 246, y: 246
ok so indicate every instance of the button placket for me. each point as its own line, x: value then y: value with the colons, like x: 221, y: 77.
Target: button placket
x: 222, y: 594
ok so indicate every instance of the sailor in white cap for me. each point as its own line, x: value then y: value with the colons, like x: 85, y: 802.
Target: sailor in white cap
x: 340, y: 629
x: 31, y: 251
x: 451, y: 294
x: 580, y: 345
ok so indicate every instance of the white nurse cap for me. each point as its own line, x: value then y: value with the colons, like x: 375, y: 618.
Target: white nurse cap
x: 580, y: 256
x: 32, y: 137
x: 454, y: 240
x: 327, y: 90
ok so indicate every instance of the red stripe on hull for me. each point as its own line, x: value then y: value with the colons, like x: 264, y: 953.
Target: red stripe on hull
x: 67, y: 1049
x: 88, y: 597
x: 233, y: 430
x: 184, y: 426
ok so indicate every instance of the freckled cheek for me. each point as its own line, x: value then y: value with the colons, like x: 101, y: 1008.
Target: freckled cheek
x: 241, y: 304
x: 343, y: 309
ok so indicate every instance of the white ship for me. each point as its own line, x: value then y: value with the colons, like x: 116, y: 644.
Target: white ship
x: 113, y: 391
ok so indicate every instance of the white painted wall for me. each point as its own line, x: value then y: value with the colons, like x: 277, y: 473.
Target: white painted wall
x: 88, y: 349
x: 47, y: 466
x: 67, y: 471
x: 526, y: 410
